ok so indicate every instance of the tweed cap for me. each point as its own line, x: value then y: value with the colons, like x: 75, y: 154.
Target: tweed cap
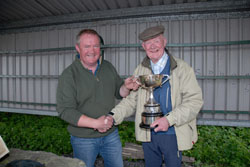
x: 151, y: 32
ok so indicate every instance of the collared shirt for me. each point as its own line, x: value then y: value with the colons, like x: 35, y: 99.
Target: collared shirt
x: 158, y: 67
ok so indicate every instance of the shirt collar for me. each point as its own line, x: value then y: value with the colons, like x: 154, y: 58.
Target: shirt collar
x: 98, y: 64
x: 160, y: 65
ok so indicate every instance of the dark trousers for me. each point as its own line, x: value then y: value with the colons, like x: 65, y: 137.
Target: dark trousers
x: 162, y: 146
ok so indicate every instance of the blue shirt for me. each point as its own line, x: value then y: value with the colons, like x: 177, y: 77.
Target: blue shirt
x: 162, y: 96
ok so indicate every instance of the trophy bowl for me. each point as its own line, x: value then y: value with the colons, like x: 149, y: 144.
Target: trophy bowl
x: 152, y: 80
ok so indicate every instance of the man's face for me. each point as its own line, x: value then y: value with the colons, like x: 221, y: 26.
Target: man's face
x: 155, y: 47
x: 89, y: 50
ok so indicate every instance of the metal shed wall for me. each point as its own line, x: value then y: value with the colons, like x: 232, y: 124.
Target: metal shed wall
x: 31, y: 60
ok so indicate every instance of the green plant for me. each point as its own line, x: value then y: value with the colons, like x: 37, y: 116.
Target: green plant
x: 31, y: 132
x: 222, y: 146
x: 127, y: 133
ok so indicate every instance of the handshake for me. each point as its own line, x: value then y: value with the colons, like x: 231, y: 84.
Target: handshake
x: 104, y: 123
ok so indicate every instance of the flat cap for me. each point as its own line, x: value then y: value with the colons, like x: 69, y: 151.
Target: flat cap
x: 151, y: 32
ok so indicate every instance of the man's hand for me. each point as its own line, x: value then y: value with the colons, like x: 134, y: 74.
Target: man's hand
x: 131, y: 84
x: 161, y: 124
x: 104, y: 123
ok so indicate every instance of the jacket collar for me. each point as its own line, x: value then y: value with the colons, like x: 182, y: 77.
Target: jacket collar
x: 173, y: 63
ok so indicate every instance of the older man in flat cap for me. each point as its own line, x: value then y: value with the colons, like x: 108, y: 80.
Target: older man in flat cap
x: 180, y: 100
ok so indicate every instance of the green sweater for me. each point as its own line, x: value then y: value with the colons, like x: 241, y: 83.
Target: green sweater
x: 80, y: 92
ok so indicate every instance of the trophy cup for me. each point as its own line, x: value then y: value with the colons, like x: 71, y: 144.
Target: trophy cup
x: 152, y: 109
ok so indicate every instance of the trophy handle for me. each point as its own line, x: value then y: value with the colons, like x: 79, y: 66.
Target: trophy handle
x: 168, y: 77
x: 137, y: 77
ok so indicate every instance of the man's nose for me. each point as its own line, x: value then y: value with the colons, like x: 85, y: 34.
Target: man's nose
x: 152, y: 46
x: 91, y: 49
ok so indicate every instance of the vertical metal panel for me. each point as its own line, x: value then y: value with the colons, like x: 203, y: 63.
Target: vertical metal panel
x: 199, y: 61
x: 220, y: 67
x: 208, y: 89
x: 51, y: 64
x: 233, y: 68
x: 19, y: 87
x: 175, y: 37
x: 37, y: 70
x: 111, y: 54
x: 244, y: 90
x: 121, y: 37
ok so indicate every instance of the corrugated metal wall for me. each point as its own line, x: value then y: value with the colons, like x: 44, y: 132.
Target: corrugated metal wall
x: 29, y: 77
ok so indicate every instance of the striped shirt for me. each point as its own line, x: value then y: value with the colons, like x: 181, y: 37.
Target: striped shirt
x: 160, y: 65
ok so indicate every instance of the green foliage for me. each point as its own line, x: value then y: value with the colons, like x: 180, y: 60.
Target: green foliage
x: 216, y: 146
x: 31, y: 132
x: 127, y: 133
x: 222, y: 146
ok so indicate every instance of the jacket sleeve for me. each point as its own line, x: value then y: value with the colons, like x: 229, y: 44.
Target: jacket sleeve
x: 188, y: 97
x: 66, y: 99
x: 125, y: 108
x: 127, y: 105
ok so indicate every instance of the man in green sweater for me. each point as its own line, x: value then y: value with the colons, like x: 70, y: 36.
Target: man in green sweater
x: 85, y: 95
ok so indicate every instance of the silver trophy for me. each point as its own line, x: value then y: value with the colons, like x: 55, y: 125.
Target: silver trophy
x: 152, y: 109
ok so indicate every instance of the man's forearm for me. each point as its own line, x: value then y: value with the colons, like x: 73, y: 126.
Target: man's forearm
x: 103, y: 122
x: 124, y: 91
x: 87, y: 122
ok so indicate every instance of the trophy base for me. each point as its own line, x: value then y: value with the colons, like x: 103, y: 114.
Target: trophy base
x: 142, y: 125
x: 149, y: 118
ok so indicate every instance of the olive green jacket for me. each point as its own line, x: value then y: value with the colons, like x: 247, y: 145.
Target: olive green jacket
x: 186, y: 96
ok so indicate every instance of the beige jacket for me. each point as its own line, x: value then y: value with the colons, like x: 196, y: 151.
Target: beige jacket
x: 186, y: 96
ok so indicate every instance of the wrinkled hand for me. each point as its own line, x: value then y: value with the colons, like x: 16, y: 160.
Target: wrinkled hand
x: 161, y: 124
x: 131, y: 83
x: 104, y: 123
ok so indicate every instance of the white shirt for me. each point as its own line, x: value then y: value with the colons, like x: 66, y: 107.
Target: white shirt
x: 158, y: 67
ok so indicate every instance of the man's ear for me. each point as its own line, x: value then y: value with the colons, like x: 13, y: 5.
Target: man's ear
x: 77, y: 48
x: 165, y: 42
x: 143, y: 45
